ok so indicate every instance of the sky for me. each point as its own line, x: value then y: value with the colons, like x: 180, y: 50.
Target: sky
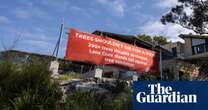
x: 33, y: 25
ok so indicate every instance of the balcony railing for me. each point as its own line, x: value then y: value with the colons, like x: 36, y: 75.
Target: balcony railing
x: 202, y: 48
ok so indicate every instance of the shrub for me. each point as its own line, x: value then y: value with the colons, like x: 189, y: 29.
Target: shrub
x: 204, y: 67
x: 86, y: 101
x: 184, y: 75
x: 30, y: 87
x: 69, y: 76
x: 123, y: 101
x: 27, y: 87
x: 93, y: 101
x: 167, y: 74
x: 120, y: 86
x: 147, y: 77
x: 202, y: 77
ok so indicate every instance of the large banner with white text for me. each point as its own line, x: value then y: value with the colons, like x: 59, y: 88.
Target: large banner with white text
x: 90, y: 48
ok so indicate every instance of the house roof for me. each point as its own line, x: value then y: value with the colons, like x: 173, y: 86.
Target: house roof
x: 134, y: 40
x: 193, y: 36
x: 30, y: 53
x: 40, y: 55
x: 131, y: 39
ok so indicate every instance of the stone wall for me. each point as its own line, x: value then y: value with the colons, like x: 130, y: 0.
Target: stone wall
x: 175, y: 66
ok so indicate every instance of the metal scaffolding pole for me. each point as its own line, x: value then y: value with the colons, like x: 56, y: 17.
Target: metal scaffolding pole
x: 56, y: 49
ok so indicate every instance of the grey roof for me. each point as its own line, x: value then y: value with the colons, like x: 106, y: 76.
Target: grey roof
x: 131, y: 40
x: 30, y: 53
x: 193, y: 36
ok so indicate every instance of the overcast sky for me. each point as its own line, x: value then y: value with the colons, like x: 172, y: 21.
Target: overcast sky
x: 36, y: 23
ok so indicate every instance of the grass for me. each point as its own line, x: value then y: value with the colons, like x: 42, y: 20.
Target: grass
x: 69, y: 76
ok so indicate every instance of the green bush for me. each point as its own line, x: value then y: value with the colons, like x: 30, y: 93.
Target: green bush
x: 85, y: 101
x: 204, y: 67
x: 167, y: 74
x: 120, y: 86
x: 27, y: 87
x: 30, y: 87
x: 69, y: 76
x: 123, y: 101
x: 147, y: 77
x: 184, y: 76
x: 93, y: 101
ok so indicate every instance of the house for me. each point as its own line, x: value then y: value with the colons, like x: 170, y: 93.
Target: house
x: 176, y: 48
x: 196, y: 47
x: 187, y: 55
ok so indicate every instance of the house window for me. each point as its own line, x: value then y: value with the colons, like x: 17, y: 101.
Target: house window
x: 174, y: 51
x: 196, y: 42
x: 206, y: 47
x: 199, y: 46
x: 206, y: 41
x: 200, y: 49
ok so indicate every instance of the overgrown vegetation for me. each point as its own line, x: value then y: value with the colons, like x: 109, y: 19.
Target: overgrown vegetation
x: 204, y: 67
x: 27, y: 87
x: 148, y: 77
x: 69, y: 76
x: 157, y: 39
x: 94, y: 101
x: 30, y: 87
x: 167, y: 74
x: 184, y: 75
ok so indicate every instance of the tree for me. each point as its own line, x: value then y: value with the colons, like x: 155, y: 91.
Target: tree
x: 145, y: 38
x: 159, y: 39
x: 196, y: 21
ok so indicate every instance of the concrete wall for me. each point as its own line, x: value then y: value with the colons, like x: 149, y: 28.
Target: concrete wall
x: 178, y: 45
x: 188, y: 47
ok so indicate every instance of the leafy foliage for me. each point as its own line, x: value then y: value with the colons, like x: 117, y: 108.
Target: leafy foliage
x: 159, y: 39
x: 69, y: 76
x: 145, y: 38
x: 148, y: 77
x: 204, y: 67
x: 123, y: 101
x: 196, y: 21
x: 84, y: 101
x: 94, y: 101
x: 167, y: 74
x: 184, y: 75
x: 27, y: 87
x: 30, y: 87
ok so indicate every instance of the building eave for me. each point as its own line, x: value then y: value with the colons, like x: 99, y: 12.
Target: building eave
x: 193, y: 36
x: 131, y: 39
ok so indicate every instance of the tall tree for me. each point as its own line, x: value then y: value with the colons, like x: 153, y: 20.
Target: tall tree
x: 159, y: 39
x: 196, y: 21
x: 145, y: 38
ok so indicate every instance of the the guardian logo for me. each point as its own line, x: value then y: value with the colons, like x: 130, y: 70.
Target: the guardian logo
x: 162, y: 94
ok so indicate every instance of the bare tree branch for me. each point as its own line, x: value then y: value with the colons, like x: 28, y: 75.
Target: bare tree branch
x: 14, y: 43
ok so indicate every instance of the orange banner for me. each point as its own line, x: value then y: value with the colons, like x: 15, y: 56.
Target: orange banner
x: 90, y: 48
